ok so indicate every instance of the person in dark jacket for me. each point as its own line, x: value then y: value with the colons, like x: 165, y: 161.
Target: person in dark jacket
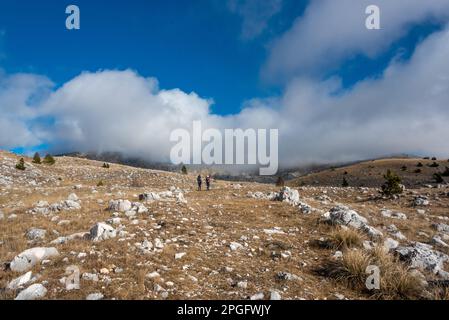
x: 208, y: 182
x: 199, y: 180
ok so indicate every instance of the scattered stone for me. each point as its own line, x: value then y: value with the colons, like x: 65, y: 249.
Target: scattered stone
x: 235, y: 246
x: 437, y: 241
x: 36, y: 234
x: 421, y: 201
x: 30, y: 257
x: 275, y: 295
x: 393, y: 215
x: 33, y: 292
x: 102, y: 231
x: 95, y: 296
x: 119, y: 205
x: 90, y: 277
x: 390, y: 244
x: 420, y: 255
x: 179, y: 255
x: 441, y: 227
x: 153, y: 275
x: 20, y: 282
x: 342, y: 215
x: 288, y: 195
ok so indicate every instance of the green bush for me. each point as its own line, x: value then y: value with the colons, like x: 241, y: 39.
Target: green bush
x: 392, y: 184
x: 418, y: 171
x: 184, y: 169
x: 438, y: 178
x: 434, y: 165
x: 106, y: 165
x: 445, y: 172
x: 37, y: 158
x: 49, y: 160
x: 419, y: 165
x: 100, y: 183
x: 21, y: 164
x: 404, y: 168
x: 345, y: 183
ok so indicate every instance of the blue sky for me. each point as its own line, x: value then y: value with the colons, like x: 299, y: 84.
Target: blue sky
x: 194, y: 45
x: 266, y: 63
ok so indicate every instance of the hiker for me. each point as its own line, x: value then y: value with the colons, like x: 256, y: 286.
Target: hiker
x: 208, y: 182
x: 200, y: 181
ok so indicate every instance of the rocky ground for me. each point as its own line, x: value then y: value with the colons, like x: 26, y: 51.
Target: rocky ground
x: 129, y: 233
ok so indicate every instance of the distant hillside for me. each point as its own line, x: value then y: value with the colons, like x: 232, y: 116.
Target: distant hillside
x: 370, y: 173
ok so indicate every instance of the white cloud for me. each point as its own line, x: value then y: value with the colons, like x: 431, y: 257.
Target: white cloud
x: 20, y: 95
x: 255, y: 15
x: 331, y: 31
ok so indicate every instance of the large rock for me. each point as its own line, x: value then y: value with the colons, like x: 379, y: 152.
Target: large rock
x: 151, y: 196
x: 70, y: 205
x: 102, y: 231
x: 120, y: 205
x: 33, y: 292
x: 422, y: 256
x: 342, y: 215
x: 288, y: 195
x: 29, y: 258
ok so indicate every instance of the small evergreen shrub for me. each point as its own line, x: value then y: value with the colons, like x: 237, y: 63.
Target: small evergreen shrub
x: 21, y: 164
x: 280, y: 182
x: 37, y: 158
x: 392, y: 184
x: 49, y: 160
x: 434, y: 165
x: 438, y: 178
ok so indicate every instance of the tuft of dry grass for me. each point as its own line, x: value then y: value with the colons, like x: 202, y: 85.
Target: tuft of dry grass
x: 396, y: 280
x: 345, y: 238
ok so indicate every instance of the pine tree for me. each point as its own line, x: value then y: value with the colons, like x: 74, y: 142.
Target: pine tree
x: 21, y: 164
x: 49, y: 160
x: 280, y: 182
x: 37, y: 158
x: 184, y: 170
x: 392, y: 184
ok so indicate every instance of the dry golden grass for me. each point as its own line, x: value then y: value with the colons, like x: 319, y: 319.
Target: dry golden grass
x: 202, y: 229
x: 344, y: 238
x: 396, y: 280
